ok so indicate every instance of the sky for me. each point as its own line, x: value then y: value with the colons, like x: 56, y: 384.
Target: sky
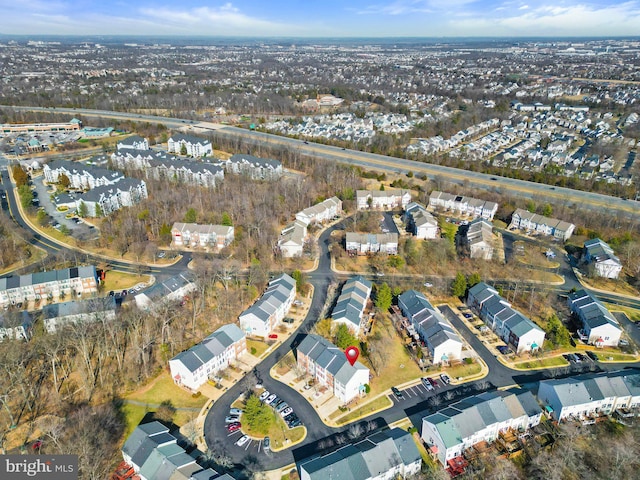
x: 323, y: 18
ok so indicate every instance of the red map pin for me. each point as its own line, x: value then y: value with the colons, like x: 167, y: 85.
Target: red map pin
x: 352, y: 354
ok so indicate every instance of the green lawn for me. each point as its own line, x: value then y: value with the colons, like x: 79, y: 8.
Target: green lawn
x: 133, y: 415
x: 120, y: 280
x: 259, y: 346
x: 542, y: 363
x: 463, y: 370
x: 163, y: 388
x: 366, y: 409
x: 615, y: 357
x: 632, y: 313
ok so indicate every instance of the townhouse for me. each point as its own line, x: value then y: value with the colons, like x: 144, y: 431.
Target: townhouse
x: 363, y: 243
x: 463, y: 205
x: 601, y: 255
x: 592, y: 395
x: 154, y: 454
x: 93, y: 310
x: 75, y: 281
x: 268, y: 311
x: 443, y: 342
x: 292, y: 239
x: 189, y: 145
x: 201, y: 236
x: 385, y: 455
x: 253, y: 167
x: 480, y: 239
x: 420, y: 222
x: 352, y: 303
x: 328, y: 365
x: 106, y: 199
x: 387, y: 199
x: 16, y: 325
x: 173, y: 289
x: 480, y: 418
x: 321, y: 212
x: 532, y: 222
x: 512, y: 326
x: 194, y: 367
x: 599, y: 326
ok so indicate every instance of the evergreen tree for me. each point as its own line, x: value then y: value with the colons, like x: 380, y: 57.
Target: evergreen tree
x: 459, y: 285
x: 383, y: 297
x: 191, y: 216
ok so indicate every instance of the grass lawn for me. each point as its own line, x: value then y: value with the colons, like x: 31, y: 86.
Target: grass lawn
x: 632, y: 313
x: 400, y: 367
x: 280, y: 435
x: 366, y: 409
x: 163, y: 388
x: 120, y: 280
x: 463, y: 370
x: 133, y: 415
x: 535, y: 255
x: 541, y: 363
x: 259, y: 346
x: 615, y: 357
x: 610, y: 285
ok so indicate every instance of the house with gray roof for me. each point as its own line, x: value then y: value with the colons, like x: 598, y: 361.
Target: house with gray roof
x: 441, y: 339
x: 328, y: 365
x: 254, y: 167
x: 172, y: 290
x: 133, y: 142
x: 201, y: 236
x: 81, y: 175
x: 385, y: 455
x: 599, y: 326
x: 351, y: 304
x: 192, y: 368
x: 99, y: 309
x: 106, y: 199
x: 268, y: 311
x: 154, y: 454
x: 479, y: 418
x: 387, y: 199
x: 509, y: 324
x: 480, y: 239
x: 321, y: 212
x: 16, y: 325
x: 463, y: 205
x: 534, y: 223
x: 193, y: 146
x: 601, y: 256
x: 420, y: 222
x: 592, y: 395
x: 292, y: 239
x: 363, y: 243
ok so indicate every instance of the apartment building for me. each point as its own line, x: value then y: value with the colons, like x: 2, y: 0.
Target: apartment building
x: 81, y: 176
x: 420, y: 222
x: 174, y: 289
x: 387, y: 199
x: 601, y: 255
x: 352, y: 303
x: 463, y: 205
x: 364, y: 243
x: 106, y: 199
x: 268, y: 311
x: 201, y: 236
x: 599, y: 326
x: 321, y: 212
x: 190, y: 145
x: 253, y: 167
x: 534, y: 223
x: 480, y: 239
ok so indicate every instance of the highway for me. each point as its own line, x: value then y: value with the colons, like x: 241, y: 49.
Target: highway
x: 539, y: 192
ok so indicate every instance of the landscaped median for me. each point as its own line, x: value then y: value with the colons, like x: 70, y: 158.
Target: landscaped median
x: 540, y: 363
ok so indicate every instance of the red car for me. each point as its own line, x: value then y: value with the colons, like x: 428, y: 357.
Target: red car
x: 234, y: 427
x: 273, y: 335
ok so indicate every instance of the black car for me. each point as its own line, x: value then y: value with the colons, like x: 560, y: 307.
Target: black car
x: 581, y: 356
x: 397, y: 393
x: 592, y: 355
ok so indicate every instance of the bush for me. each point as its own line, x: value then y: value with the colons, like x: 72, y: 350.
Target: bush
x: 253, y: 350
x: 468, y: 360
x: 196, y: 394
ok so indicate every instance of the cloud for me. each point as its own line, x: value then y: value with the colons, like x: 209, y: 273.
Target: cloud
x: 403, y: 7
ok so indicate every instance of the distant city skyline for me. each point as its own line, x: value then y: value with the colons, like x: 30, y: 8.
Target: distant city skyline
x: 329, y: 18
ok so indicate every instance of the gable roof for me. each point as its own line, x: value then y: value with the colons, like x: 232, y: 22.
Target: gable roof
x: 329, y: 357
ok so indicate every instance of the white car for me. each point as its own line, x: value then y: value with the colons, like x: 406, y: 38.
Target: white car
x: 242, y: 440
x: 428, y: 284
x: 270, y: 398
x: 286, y: 412
x: 235, y: 412
x: 264, y: 395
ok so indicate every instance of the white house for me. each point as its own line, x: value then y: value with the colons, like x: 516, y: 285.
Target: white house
x: 172, y: 290
x: 480, y: 418
x: 292, y: 239
x: 193, y: 146
x: 268, y: 311
x: 599, y: 326
x: 134, y: 142
x: 480, y: 239
x: 81, y: 175
x: 363, y: 243
x: 420, y: 222
x: 329, y: 366
x: 16, y: 325
x: 92, y: 310
x: 192, y: 368
x: 106, y: 199
x: 592, y: 395
x: 463, y: 205
x: 254, y: 167
x: 385, y: 455
x: 321, y: 212
x: 382, y: 199
x: 351, y: 304
x: 509, y: 324
x: 440, y: 338
x: 602, y: 257
x: 201, y: 236
x: 532, y: 222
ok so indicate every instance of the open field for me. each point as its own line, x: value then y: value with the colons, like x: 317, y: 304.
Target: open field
x: 163, y: 388
x: 120, y: 280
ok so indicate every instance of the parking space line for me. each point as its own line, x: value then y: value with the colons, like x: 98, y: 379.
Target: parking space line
x: 406, y: 392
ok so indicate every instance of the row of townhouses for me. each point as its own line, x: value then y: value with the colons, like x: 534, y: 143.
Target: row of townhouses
x: 601, y: 255
x: 463, y: 205
x: 329, y: 367
x: 194, y: 367
x: 480, y: 239
x: 352, y: 303
x: 174, y: 289
x: 388, y: 199
x: 294, y: 235
x: 108, y: 190
x: 532, y: 222
x: 92, y: 310
x: 201, y: 236
x: 154, y: 454
x: 599, y: 326
x: 443, y: 342
x: 509, y: 324
x: 364, y: 243
x: 420, y: 222
x: 268, y: 311
x: 16, y: 325
x: 74, y: 281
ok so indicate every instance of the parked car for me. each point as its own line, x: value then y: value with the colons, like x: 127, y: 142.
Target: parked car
x: 581, y: 357
x: 235, y: 411
x: 232, y: 419
x: 427, y: 384
x: 270, y: 398
x: 397, y: 393
x: 273, y: 335
x: 243, y: 439
x: 445, y: 378
x: 275, y: 401
x: 281, y: 407
x: 266, y: 443
x: 592, y: 356
x: 264, y: 395
x: 286, y: 412
x: 428, y: 284
x: 568, y: 357
x: 467, y: 315
x: 575, y: 358
x: 234, y: 427
x: 433, y: 382
x: 161, y: 254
